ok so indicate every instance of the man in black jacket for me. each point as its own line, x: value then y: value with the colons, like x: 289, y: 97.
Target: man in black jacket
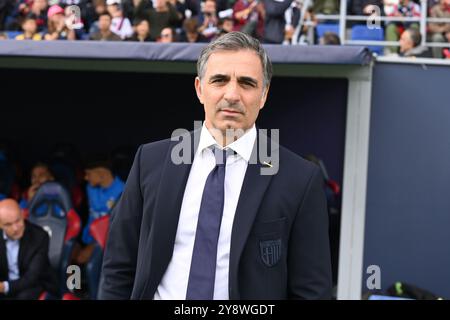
x: 24, y: 263
x: 274, y: 21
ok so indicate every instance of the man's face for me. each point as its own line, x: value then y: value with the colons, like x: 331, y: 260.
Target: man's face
x: 12, y: 222
x: 405, y: 42
x: 231, y: 90
x: 40, y: 175
x: 93, y: 177
x: 104, y: 23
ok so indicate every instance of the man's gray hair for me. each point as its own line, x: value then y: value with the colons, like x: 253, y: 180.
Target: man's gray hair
x: 234, y: 41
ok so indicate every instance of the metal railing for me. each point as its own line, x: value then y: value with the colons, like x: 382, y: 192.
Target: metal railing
x: 343, y: 17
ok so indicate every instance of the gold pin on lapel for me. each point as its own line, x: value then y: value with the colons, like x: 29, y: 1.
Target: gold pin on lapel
x: 267, y: 164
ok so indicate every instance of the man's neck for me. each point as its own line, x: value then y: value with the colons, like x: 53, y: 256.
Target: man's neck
x: 224, y: 138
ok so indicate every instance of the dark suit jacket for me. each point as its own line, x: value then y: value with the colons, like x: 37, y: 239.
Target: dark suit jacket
x: 285, y: 213
x: 33, y: 262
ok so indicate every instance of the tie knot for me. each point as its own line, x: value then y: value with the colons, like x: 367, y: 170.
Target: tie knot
x: 221, y: 156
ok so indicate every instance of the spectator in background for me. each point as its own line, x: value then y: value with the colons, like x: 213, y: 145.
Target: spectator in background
x: 208, y: 20
x: 5, y: 8
x: 167, y: 36
x: 29, y: 27
x: 103, y: 190
x: 249, y: 17
x: 141, y: 31
x: 120, y: 24
x: 40, y: 174
x: 405, y: 8
x: 325, y: 7
x: 365, y: 7
x: 446, y: 51
x: 25, y: 270
x: 38, y: 11
x: 57, y: 28
x: 93, y: 15
x: 275, y: 22
x: 190, y: 32
x: 163, y: 15
x: 18, y: 10
x: 104, y: 26
x: 224, y: 26
x: 438, y: 31
x: 180, y: 9
x: 330, y: 38
x: 410, y: 44
x: 3, y: 36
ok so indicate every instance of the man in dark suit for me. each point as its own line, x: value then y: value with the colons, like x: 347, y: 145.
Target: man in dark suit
x: 221, y: 227
x: 24, y: 263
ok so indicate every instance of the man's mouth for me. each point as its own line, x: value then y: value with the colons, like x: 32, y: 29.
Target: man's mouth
x: 230, y: 111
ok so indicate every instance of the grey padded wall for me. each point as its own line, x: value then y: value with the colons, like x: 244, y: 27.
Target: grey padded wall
x: 408, y: 193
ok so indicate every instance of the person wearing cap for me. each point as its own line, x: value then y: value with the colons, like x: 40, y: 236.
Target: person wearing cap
x: 103, y: 190
x: 120, y: 24
x: 57, y: 28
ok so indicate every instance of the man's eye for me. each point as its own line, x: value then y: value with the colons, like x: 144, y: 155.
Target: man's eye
x: 247, y: 84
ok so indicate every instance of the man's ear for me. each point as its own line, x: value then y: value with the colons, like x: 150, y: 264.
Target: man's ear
x: 198, y: 89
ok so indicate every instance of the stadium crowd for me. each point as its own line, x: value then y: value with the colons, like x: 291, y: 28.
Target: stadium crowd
x: 271, y: 21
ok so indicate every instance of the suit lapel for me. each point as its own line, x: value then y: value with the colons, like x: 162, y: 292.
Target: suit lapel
x: 252, y: 193
x: 167, y: 213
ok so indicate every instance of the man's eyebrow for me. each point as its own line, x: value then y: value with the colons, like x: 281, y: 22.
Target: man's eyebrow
x: 219, y: 77
x: 242, y: 79
x: 249, y: 80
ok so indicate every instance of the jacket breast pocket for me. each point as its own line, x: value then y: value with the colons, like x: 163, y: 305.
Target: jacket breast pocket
x: 264, y: 229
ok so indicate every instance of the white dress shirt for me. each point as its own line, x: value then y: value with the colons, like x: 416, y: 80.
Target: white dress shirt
x: 174, y: 283
x: 12, y: 255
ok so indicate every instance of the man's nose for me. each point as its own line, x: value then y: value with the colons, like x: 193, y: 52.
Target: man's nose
x: 232, y: 93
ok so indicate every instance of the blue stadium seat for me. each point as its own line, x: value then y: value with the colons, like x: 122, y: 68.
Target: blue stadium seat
x: 12, y: 34
x: 60, y: 221
x: 326, y: 27
x: 361, y: 32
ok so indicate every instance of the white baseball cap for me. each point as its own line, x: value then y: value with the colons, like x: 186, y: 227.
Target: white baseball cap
x: 111, y: 2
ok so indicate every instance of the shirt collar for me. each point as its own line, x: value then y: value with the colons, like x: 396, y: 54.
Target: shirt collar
x: 242, y: 146
x: 6, y: 238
